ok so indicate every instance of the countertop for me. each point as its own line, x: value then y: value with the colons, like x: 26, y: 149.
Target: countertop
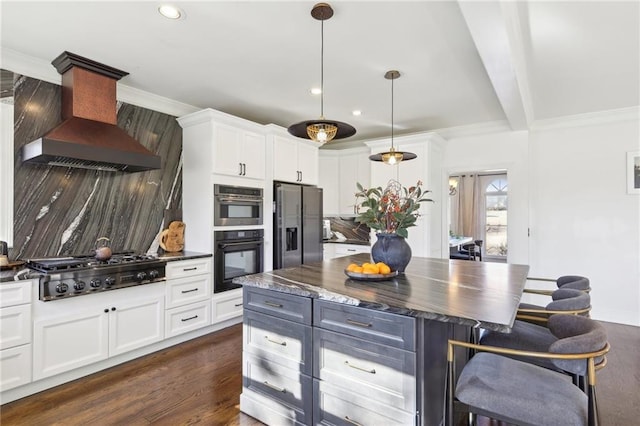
x: 23, y: 273
x: 347, y: 241
x: 477, y: 294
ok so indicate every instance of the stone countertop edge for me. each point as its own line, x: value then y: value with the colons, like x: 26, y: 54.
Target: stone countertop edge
x: 182, y: 255
x: 22, y: 273
x: 347, y: 241
x: 306, y: 290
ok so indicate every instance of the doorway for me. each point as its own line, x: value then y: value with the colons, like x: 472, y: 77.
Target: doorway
x: 478, y: 207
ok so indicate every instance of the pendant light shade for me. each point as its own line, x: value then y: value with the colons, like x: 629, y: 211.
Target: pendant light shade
x: 392, y: 156
x: 322, y: 130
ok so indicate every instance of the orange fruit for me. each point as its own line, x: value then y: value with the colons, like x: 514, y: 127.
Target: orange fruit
x: 357, y: 269
x: 352, y: 266
x: 370, y: 269
x: 383, y: 268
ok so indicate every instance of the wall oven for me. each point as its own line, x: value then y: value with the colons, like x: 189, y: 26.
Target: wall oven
x: 236, y: 253
x: 237, y: 205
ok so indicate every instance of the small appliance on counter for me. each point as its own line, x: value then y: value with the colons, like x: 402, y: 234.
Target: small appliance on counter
x: 326, y: 229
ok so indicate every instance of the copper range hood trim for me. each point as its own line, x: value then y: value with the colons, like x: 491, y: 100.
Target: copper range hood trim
x: 89, y: 137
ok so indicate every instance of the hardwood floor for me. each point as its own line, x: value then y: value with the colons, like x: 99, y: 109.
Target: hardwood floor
x: 199, y: 382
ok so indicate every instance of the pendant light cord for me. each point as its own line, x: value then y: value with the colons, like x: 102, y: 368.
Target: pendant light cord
x: 392, y: 112
x: 322, y: 69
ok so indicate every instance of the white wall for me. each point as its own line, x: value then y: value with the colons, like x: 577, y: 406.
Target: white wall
x: 582, y: 219
x: 568, y: 185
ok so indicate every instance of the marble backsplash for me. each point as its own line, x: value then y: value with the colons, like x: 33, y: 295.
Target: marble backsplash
x: 62, y: 211
x: 351, y: 229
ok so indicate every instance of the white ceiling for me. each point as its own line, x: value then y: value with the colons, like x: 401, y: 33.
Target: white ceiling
x: 462, y: 63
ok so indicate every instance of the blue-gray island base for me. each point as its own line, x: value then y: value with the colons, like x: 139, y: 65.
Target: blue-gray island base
x: 320, y: 348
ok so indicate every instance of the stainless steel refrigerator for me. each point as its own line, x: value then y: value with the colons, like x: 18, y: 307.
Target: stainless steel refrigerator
x: 297, y: 225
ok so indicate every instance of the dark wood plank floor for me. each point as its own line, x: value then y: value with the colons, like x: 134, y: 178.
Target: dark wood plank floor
x: 199, y: 382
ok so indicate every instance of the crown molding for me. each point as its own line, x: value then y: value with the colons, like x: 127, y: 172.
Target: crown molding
x: 589, y: 119
x: 40, y: 69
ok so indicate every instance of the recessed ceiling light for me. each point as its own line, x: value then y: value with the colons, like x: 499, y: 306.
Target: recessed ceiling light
x: 315, y: 90
x: 356, y: 112
x: 170, y: 12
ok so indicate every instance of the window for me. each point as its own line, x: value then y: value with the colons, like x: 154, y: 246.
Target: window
x: 496, y: 203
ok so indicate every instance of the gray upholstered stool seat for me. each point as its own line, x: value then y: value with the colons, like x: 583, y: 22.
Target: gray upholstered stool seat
x: 521, y: 393
x: 525, y: 394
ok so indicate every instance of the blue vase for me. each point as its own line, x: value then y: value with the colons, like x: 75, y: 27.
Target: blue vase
x: 392, y: 250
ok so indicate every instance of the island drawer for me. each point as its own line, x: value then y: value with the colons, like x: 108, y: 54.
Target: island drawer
x: 336, y: 406
x: 282, y: 305
x: 286, y: 385
x: 280, y: 341
x: 386, y: 328
x: 383, y: 373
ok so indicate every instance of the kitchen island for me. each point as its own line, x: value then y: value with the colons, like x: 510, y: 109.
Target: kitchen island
x: 320, y: 348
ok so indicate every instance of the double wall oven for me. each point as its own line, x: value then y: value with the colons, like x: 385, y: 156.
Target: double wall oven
x: 237, y: 252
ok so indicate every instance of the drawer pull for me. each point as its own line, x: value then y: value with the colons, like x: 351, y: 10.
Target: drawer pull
x: 351, y: 249
x: 238, y: 305
x: 273, y: 304
x: 190, y: 269
x: 353, y: 422
x: 189, y: 319
x: 372, y: 371
x: 190, y: 291
x: 283, y: 343
x: 359, y: 324
x: 276, y: 388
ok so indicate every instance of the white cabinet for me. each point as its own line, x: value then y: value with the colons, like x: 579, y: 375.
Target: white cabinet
x: 238, y: 152
x: 219, y: 143
x: 226, y: 305
x: 329, y: 181
x: 355, y: 167
x: 188, y: 293
x: 333, y: 250
x: 294, y: 160
x: 340, y: 171
x: 73, y: 333
x: 15, y: 334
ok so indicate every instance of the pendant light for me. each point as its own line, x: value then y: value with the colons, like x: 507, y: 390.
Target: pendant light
x: 322, y: 130
x: 392, y: 156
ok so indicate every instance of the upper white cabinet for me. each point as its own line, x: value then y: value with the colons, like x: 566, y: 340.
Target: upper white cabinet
x: 329, y: 181
x: 238, y: 152
x: 294, y: 159
x: 219, y: 143
x: 340, y: 171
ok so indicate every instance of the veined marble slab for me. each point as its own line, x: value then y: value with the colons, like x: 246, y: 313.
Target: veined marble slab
x: 476, y: 294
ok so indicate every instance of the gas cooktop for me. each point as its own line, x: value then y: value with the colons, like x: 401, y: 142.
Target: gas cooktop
x: 81, y: 275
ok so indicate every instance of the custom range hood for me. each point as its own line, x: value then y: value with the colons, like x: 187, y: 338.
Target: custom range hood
x: 88, y: 137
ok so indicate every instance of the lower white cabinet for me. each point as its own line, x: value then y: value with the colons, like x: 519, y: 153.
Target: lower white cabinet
x: 226, y: 305
x: 186, y: 318
x: 15, y: 334
x: 188, y: 295
x: 108, y: 328
x: 16, y: 367
x: 333, y: 250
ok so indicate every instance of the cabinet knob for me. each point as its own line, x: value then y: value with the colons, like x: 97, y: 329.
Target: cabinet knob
x: 106, y: 310
x: 113, y: 309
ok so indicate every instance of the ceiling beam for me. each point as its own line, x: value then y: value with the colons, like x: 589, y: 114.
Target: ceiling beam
x: 496, y: 30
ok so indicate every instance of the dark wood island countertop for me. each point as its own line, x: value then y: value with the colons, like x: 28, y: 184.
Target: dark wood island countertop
x: 476, y: 294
